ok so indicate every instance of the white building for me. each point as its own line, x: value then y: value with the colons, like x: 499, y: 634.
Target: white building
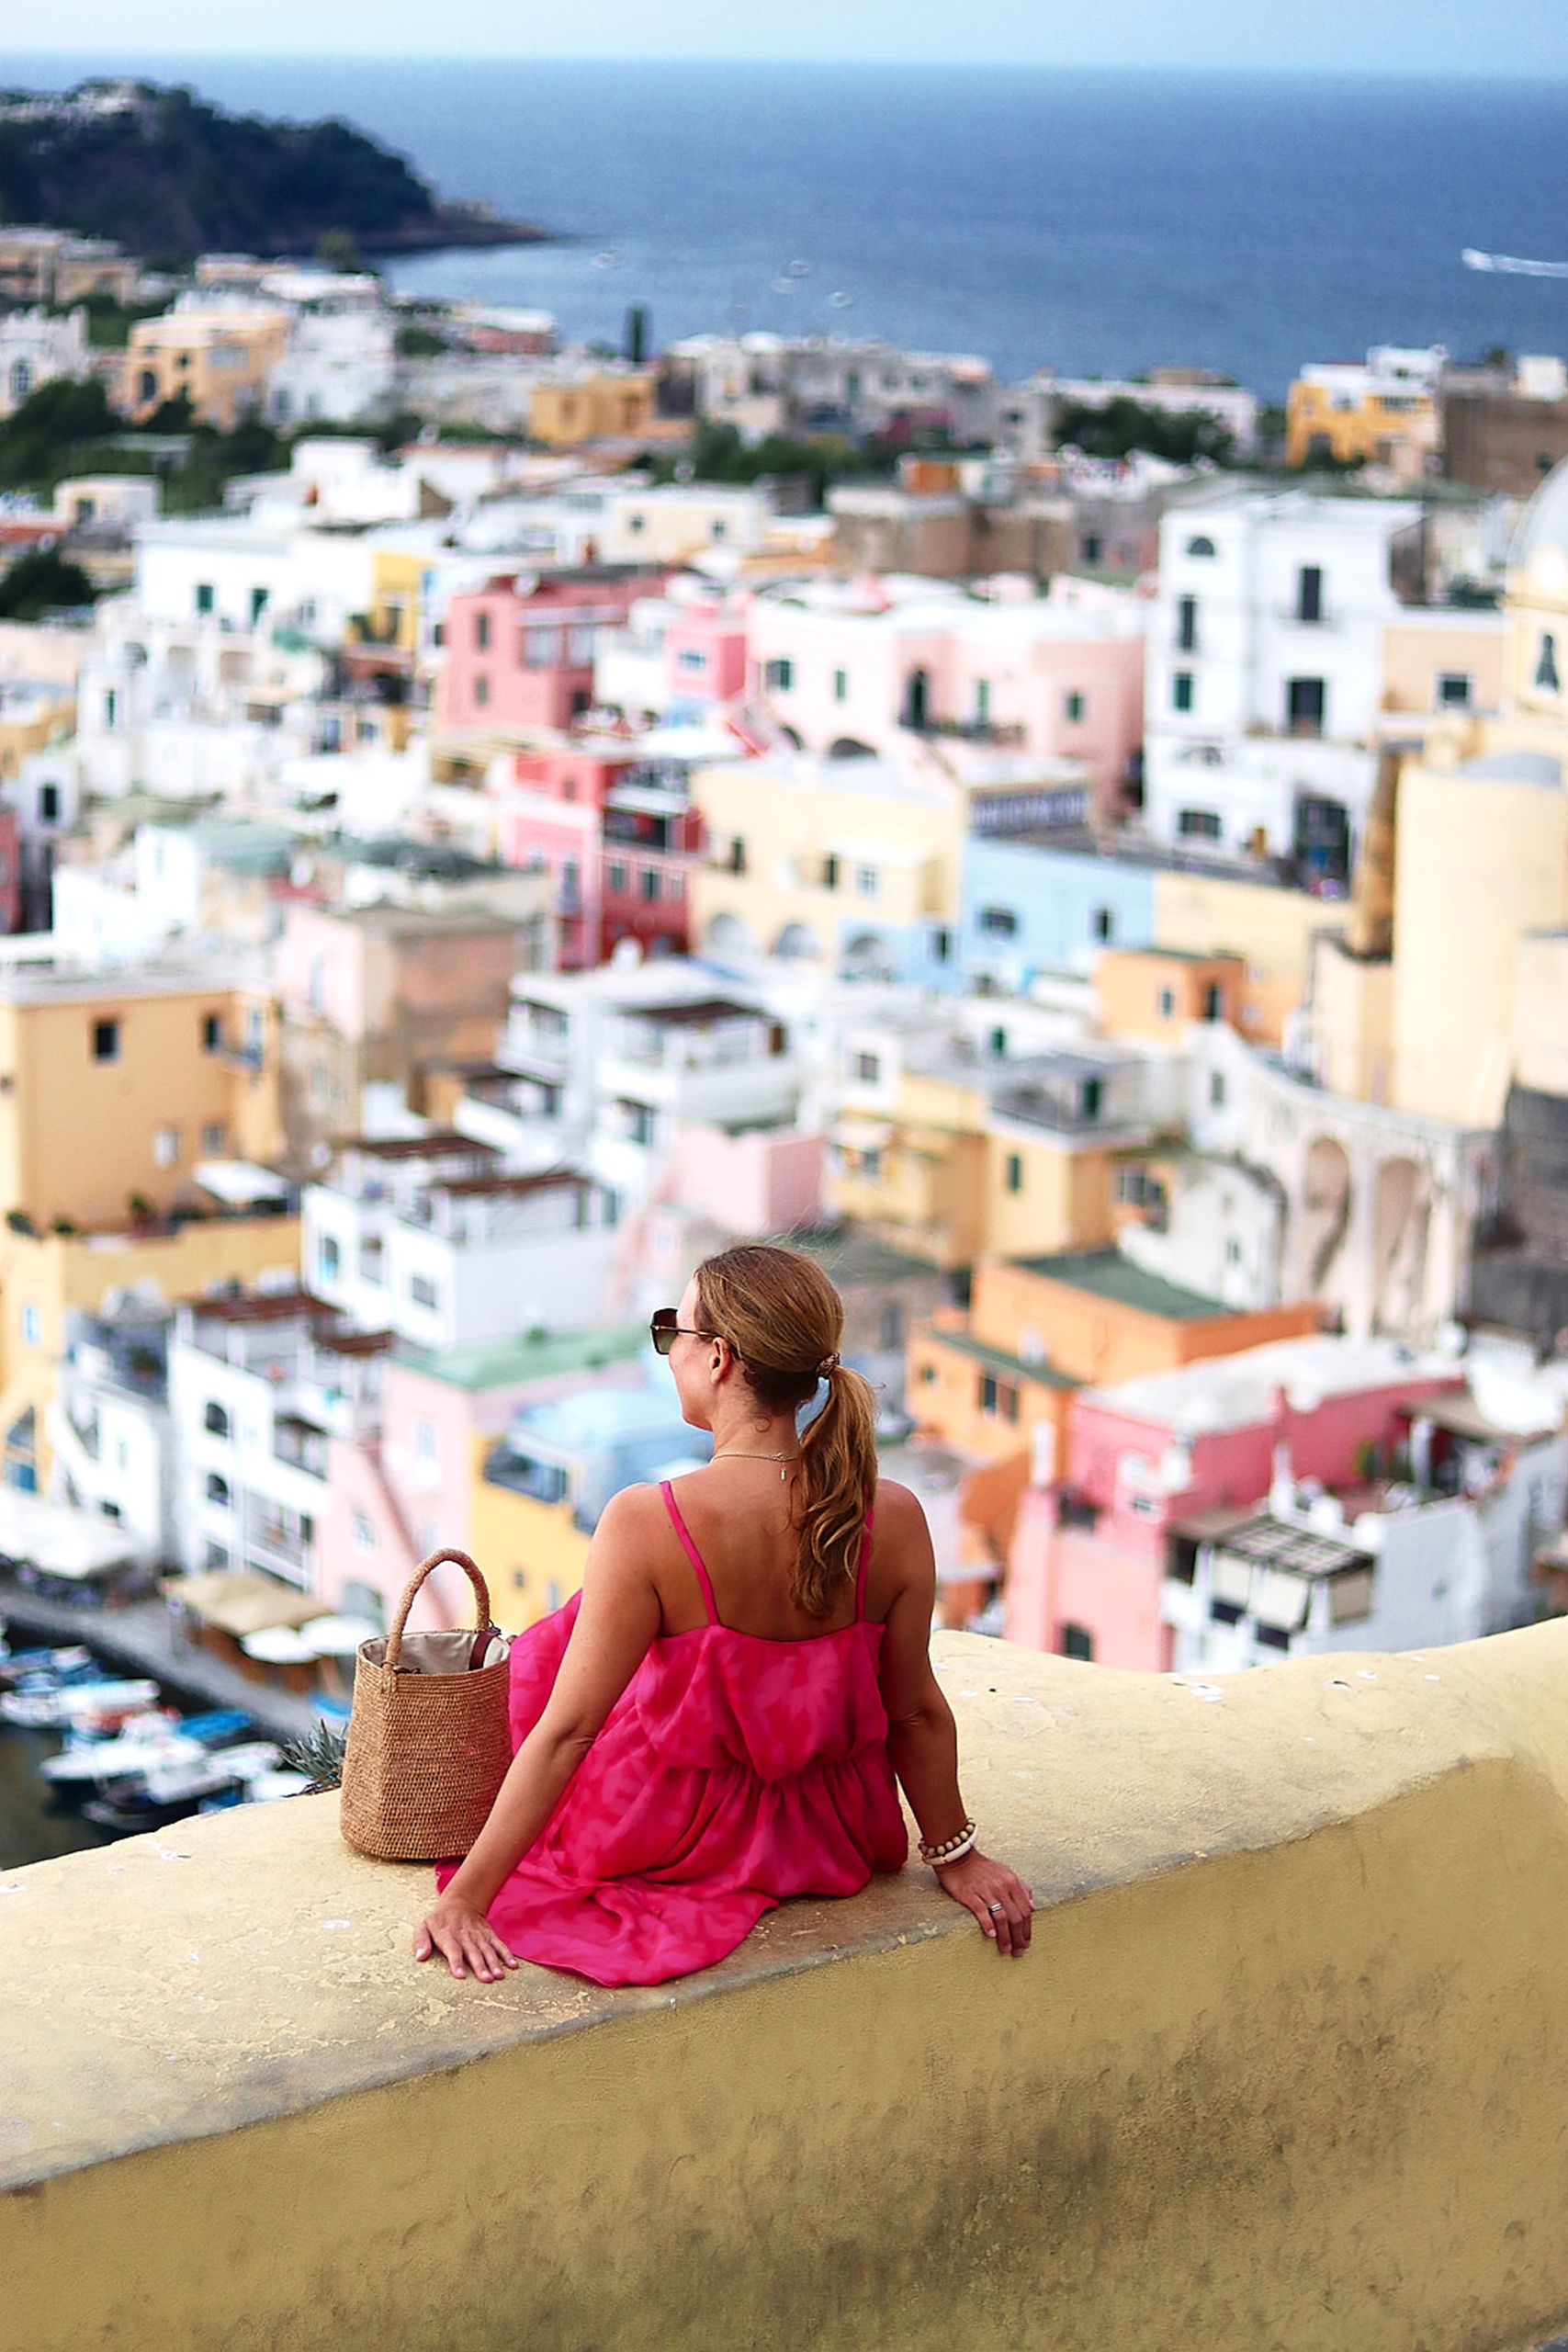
x: 1442, y: 1551
x: 340, y: 360
x: 601, y: 1068
x: 36, y: 348
x: 430, y: 1236
x: 767, y: 383
x: 110, y: 1434
x: 1264, y: 678
x: 259, y: 1382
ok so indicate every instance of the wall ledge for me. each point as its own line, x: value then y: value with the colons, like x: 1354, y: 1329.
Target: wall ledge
x: 1244, y: 1841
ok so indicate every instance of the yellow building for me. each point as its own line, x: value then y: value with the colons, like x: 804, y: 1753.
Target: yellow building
x: 32, y: 719
x: 1270, y: 930
x: 115, y: 1082
x: 219, y: 358
x: 609, y: 405
x: 532, y: 1550
x: 1384, y: 413
x: 44, y: 1277
x: 1438, y: 660
x: 848, y: 863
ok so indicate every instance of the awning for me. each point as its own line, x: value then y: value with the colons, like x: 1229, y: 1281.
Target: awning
x: 279, y: 1646
x: 59, y: 1540
x: 239, y: 1601
x: 863, y: 1134
x: 240, y: 1183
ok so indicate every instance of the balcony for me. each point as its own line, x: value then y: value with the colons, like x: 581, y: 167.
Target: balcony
x: 1253, y: 1994
x: 994, y: 736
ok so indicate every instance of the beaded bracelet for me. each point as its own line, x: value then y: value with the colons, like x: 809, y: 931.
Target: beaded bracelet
x: 951, y: 1850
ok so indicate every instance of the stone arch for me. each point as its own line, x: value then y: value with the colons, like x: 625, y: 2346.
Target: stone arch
x: 850, y: 747
x: 729, y: 938
x: 796, y: 743
x: 1402, y: 1213
x: 867, y: 956
x: 797, y: 943
x: 1325, y: 1208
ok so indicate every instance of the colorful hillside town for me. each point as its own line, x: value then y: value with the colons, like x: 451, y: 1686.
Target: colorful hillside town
x: 483, y: 822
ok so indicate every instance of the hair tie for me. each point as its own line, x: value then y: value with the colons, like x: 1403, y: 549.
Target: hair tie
x: 827, y: 1365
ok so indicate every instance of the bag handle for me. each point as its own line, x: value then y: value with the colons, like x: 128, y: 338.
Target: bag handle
x: 487, y: 1626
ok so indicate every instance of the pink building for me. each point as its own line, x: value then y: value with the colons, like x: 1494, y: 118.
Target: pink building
x: 620, y: 838
x: 859, y: 666
x: 706, y: 651
x: 1146, y: 1461
x: 519, y: 651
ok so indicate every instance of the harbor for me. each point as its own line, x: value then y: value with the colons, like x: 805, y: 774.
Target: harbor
x: 177, y: 1728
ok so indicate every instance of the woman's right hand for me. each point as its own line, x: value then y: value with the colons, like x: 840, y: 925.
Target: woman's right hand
x: 465, y: 1938
x: 998, y: 1897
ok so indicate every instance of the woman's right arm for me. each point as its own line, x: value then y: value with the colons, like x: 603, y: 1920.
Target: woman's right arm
x: 923, y: 1739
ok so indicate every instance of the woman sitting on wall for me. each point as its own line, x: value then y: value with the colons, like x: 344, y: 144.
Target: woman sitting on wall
x: 717, y: 1720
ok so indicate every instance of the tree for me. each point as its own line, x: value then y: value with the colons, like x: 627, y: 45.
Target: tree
x: 43, y: 582
x: 1123, y: 426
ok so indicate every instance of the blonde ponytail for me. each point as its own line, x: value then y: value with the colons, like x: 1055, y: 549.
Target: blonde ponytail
x: 784, y: 1320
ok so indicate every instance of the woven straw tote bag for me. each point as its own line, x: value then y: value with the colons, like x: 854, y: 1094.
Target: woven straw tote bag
x: 429, y: 1741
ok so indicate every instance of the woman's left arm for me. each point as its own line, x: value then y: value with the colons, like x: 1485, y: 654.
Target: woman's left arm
x: 616, y: 1621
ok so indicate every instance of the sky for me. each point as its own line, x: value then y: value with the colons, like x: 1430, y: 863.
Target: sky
x: 1526, y: 37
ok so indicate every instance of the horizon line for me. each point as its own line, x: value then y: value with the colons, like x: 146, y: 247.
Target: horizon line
x: 967, y: 63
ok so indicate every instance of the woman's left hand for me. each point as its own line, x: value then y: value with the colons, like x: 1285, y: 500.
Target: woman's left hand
x: 465, y: 1938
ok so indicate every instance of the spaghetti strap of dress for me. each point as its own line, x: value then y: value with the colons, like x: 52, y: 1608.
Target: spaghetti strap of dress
x: 860, y: 1572
x: 695, y: 1557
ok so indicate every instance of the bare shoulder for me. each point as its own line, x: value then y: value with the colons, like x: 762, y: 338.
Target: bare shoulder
x: 899, y: 1511
x: 625, y: 1525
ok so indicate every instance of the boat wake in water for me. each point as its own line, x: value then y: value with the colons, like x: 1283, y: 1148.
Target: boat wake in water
x: 1510, y: 266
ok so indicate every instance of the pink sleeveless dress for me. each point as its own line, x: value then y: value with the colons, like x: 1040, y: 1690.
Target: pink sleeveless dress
x: 734, y: 1770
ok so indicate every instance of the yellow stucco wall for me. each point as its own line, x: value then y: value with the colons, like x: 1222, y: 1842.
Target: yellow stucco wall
x: 77, y: 1135
x: 1540, y: 1034
x: 1063, y: 1199
x: 53, y: 722
x: 219, y: 361
x: 1480, y: 861
x: 791, y: 822
x: 1270, y: 930
x: 1415, y: 656
x: 1287, y: 2064
x: 595, y: 408
x: 1371, y: 429
x: 1352, y: 1021
x: 524, y: 1547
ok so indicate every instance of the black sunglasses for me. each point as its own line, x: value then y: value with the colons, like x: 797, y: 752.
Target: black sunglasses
x: 663, y: 1330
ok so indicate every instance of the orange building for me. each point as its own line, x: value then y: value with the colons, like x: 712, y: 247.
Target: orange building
x: 1154, y: 992
x: 997, y: 1382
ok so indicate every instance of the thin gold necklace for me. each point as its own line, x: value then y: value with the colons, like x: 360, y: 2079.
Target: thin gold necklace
x: 744, y: 1453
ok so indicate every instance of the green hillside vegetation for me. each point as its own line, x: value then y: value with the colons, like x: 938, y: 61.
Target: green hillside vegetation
x: 176, y: 178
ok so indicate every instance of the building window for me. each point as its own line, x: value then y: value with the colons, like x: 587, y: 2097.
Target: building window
x: 204, y: 598
x: 363, y: 1533
x: 840, y: 685
x: 49, y: 804
x: 482, y: 691
x: 736, y: 856
x: 1233, y: 1252
x: 32, y: 1327
x: 1167, y: 1003
x: 1186, y: 624
x: 1090, y: 1094
x: 1197, y: 824
x: 1181, y: 690
x: 617, y: 878
x: 829, y: 873
x: 868, y: 1069
x: 1309, y: 593
x: 981, y: 702
x: 1088, y: 548
x: 1216, y: 1089
x: 423, y: 1291
x: 541, y: 648
x: 998, y: 1398
x: 1103, y: 923
x: 1546, y: 667
x: 111, y: 706
x: 998, y: 923
x: 106, y: 1041
x: 1076, y: 1641
x: 570, y: 882
x: 865, y: 881
x: 1200, y: 546
x: 1305, y: 706
x: 218, y: 1491
x: 892, y: 1327
x: 648, y: 883
x: 1074, y: 707
x: 329, y: 1258
x: 1015, y: 1172
x: 942, y: 945
x: 424, y: 1440
x: 481, y: 632
x: 1454, y: 689
x: 211, y: 1032
x: 778, y: 676
x: 214, y: 1420
x: 165, y: 1146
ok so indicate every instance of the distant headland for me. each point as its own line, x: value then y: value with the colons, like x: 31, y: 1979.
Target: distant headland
x: 167, y: 175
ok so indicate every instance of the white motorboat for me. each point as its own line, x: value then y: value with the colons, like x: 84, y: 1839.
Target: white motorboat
x: 48, y: 1710
x: 144, y: 1740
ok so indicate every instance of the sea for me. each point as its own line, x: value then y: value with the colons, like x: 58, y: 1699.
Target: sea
x: 1094, y: 223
